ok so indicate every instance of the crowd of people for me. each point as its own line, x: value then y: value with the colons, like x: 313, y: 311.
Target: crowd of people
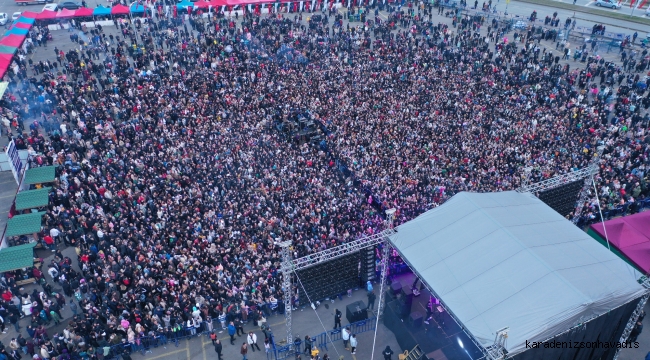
x: 175, y: 182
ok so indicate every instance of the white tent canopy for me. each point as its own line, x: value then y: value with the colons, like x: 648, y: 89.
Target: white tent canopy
x: 507, y: 259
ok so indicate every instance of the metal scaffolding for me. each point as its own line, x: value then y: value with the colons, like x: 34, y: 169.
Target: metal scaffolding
x: 635, y: 315
x: 559, y: 180
x: 289, y: 266
x: 286, y: 285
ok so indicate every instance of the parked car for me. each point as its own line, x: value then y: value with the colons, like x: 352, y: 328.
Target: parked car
x: 608, y: 3
x: 50, y: 7
x: 3, y: 18
x: 16, y: 15
x: 31, y: 2
x: 70, y: 5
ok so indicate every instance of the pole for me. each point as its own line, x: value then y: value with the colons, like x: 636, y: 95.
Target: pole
x: 600, y: 210
x: 380, y: 308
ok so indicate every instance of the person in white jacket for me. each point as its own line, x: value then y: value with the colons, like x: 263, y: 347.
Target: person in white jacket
x: 252, y: 341
x: 346, y: 337
x: 353, y: 343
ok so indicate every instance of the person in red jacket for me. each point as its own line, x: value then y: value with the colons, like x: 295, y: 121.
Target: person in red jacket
x: 49, y: 242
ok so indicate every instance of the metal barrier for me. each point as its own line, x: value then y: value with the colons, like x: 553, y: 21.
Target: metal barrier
x: 146, y: 343
x: 323, y: 339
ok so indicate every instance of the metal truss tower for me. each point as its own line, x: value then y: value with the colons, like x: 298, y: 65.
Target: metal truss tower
x: 289, y: 266
x: 286, y: 285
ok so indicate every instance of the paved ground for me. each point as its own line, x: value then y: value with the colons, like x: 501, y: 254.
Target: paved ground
x: 304, y: 321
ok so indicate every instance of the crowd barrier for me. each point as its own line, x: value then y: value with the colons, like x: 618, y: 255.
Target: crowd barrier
x: 145, y: 344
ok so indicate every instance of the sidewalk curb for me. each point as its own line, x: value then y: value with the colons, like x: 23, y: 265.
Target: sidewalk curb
x: 592, y: 11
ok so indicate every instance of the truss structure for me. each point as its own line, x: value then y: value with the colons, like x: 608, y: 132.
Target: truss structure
x: 635, y: 315
x: 289, y: 266
x: 559, y: 180
x: 287, y: 286
x: 336, y: 252
x: 498, y: 349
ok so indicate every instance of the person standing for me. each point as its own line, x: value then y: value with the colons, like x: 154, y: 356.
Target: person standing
x: 636, y: 331
x: 231, y: 332
x: 252, y: 341
x: 239, y: 325
x: 353, y: 344
x: 14, y: 320
x: 388, y: 353
x: 371, y: 300
x: 244, y: 351
x: 337, y: 319
x: 218, y: 348
x: 307, y: 344
x: 345, y: 335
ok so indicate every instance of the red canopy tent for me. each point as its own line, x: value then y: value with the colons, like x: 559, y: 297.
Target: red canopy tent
x: 22, y: 25
x: 83, y: 12
x: 202, y: 4
x: 12, y: 40
x: 29, y: 14
x: 5, y: 62
x: 65, y: 13
x: 46, y: 15
x: 119, y: 10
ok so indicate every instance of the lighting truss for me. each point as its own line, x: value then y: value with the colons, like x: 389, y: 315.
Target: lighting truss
x: 288, y: 265
x: 286, y: 285
x: 336, y: 252
x: 559, y: 180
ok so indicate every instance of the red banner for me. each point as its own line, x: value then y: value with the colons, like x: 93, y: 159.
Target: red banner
x: 257, y: 9
x: 295, y: 7
x: 175, y: 11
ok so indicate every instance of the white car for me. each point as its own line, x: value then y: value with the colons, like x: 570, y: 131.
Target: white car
x: 50, y: 7
x: 16, y: 15
x: 3, y: 18
x: 608, y: 3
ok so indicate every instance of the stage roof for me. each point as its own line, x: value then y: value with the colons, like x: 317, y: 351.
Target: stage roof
x: 508, y: 260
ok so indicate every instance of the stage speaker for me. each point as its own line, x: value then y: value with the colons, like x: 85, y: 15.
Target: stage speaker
x: 405, y: 309
x: 396, y: 287
x: 368, y: 264
x: 407, y: 295
x: 356, y: 312
x: 416, y: 319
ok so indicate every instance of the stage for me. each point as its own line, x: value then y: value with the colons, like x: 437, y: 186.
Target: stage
x: 441, y: 339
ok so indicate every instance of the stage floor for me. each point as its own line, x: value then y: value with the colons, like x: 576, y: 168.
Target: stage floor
x: 441, y: 339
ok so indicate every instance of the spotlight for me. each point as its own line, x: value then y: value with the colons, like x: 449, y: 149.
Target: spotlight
x: 460, y: 342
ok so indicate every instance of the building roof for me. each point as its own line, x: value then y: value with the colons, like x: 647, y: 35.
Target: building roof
x: 17, y: 257
x: 32, y: 198
x: 24, y: 224
x: 508, y: 260
x: 40, y: 175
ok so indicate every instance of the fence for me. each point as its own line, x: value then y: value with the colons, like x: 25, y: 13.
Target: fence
x: 146, y: 343
x: 321, y: 340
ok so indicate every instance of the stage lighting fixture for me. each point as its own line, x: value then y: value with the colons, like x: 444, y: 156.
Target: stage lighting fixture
x: 460, y: 342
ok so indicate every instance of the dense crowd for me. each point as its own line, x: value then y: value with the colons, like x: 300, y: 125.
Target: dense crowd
x: 174, y: 182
